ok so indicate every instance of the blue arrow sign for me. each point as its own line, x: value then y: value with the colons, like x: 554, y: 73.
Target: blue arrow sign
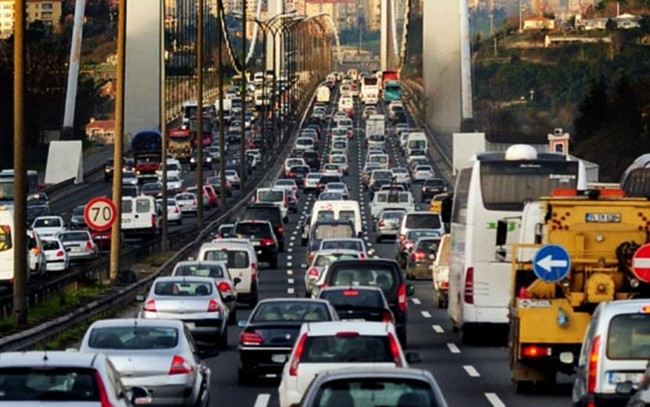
x: 551, y: 263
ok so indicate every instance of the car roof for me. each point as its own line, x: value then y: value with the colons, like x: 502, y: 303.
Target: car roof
x: 48, y: 358
x: 293, y: 300
x: 200, y: 262
x: 175, y: 323
x: 324, y: 252
x: 209, y: 280
x: 374, y: 372
x: 328, y: 328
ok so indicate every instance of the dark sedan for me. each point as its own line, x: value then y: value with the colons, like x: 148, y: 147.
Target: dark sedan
x: 432, y: 187
x: 271, y: 331
x: 358, y: 303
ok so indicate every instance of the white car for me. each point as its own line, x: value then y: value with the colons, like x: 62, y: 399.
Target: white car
x: 287, y: 184
x: 187, y: 202
x: 339, y: 345
x: 48, y: 225
x: 174, y: 213
x: 401, y: 175
x: 174, y: 183
x: 338, y: 187
x: 422, y: 172
x: 310, y: 183
x: 56, y: 256
x: 129, y: 178
x: 232, y: 176
x: 331, y: 169
x: 410, y: 158
x: 293, y: 162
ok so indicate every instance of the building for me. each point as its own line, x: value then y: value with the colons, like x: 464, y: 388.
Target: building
x: 46, y: 11
x: 101, y: 131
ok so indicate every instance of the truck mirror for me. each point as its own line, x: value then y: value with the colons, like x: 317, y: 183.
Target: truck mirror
x: 502, y: 232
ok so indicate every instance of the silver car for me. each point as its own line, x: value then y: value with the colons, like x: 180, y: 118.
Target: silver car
x: 194, y: 300
x: 219, y: 272
x: 187, y: 202
x: 79, y: 244
x: 159, y: 355
x: 387, y: 223
x: 322, y: 260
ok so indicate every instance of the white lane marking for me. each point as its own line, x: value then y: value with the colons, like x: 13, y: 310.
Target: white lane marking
x: 289, y: 264
x: 293, y: 238
x: 416, y: 301
x: 426, y: 314
x: 453, y: 348
x: 369, y: 244
x: 295, y: 232
x: 289, y: 258
x: 290, y: 280
x: 303, y: 265
x: 471, y: 371
x: 494, y: 400
x: 290, y: 244
x: 289, y: 272
x: 290, y: 290
x: 438, y: 329
x: 262, y: 400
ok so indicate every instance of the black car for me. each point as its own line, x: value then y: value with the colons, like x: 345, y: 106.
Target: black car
x: 207, y: 160
x: 358, y: 302
x: 39, y: 198
x: 312, y: 159
x: 382, y: 273
x: 326, y: 179
x: 298, y: 173
x: 270, y: 212
x: 271, y: 331
x: 130, y: 190
x: 77, y: 220
x: 261, y: 236
x: 34, y: 211
x: 108, y: 170
x: 432, y: 187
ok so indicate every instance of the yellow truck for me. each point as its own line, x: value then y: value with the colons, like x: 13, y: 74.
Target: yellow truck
x: 575, y: 251
x: 180, y: 144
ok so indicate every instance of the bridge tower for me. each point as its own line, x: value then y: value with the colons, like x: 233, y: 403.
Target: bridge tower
x: 388, y: 55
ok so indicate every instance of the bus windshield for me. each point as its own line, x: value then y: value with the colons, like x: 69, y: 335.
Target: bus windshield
x: 508, y: 185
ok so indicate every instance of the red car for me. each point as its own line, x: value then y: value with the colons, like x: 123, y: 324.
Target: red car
x: 101, y: 239
x: 212, y: 195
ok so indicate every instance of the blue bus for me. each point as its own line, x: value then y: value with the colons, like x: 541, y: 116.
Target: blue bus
x: 392, y: 91
x: 147, y: 153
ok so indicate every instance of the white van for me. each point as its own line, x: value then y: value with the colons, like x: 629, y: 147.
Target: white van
x: 323, y: 94
x: 140, y: 215
x: 337, y: 210
x: 36, y: 257
x: 346, y: 103
x: 440, y: 272
x: 416, y: 141
x: 275, y: 196
x: 614, y: 353
x: 394, y: 199
x: 241, y: 260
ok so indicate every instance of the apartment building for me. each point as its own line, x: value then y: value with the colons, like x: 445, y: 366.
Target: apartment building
x: 46, y: 11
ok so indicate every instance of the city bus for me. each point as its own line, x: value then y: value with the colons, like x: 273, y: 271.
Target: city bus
x: 495, y: 186
x: 392, y: 91
x: 7, y: 185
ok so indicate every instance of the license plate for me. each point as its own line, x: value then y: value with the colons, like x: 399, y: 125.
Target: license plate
x: 278, y: 358
x: 126, y: 220
x: 622, y: 377
x: 190, y: 325
x: 75, y: 249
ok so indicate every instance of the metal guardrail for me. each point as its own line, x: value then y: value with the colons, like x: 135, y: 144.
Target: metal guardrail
x: 30, y: 338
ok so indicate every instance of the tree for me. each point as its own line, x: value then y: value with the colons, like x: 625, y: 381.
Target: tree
x: 592, y: 111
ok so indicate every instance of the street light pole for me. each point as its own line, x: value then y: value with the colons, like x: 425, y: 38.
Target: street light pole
x: 199, y: 114
x: 242, y: 145
x: 222, y: 137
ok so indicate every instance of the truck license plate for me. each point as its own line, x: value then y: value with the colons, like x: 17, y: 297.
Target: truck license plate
x: 622, y: 377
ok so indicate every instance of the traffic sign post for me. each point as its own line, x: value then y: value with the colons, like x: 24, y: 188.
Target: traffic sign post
x: 551, y: 263
x: 641, y: 263
x: 100, y: 213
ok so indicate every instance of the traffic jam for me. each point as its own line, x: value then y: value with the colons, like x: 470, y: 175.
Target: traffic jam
x: 339, y: 283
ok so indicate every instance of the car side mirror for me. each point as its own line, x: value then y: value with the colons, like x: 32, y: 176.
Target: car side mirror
x: 242, y: 323
x: 138, y: 395
x: 236, y: 280
x: 413, y: 357
x: 410, y: 290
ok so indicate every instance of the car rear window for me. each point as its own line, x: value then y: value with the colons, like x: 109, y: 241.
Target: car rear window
x: 375, y: 392
x: 142, y: 205
x: 47, y: 223
x: 342, y: 244
x: 353, y: 298
x: 252, y: 229
x: 378, y: 275
x: 347, y: 347
x: 58, y: 384
x: 428, y: 245
x: 423, y: 221
x: 291, y: 311
x: 200, y: 270
x: 133, y: 337
x: 182, y: 288
x: 327, y: 259
x: 270, y: 196
x: 323, y: 231
x: 74, y: 237
x: 50, y: 245
x: 271, y: 214
x: 629, y: 337
x: 235, y: 259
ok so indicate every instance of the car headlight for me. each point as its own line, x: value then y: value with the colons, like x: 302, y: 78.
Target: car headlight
x: 192, y: 160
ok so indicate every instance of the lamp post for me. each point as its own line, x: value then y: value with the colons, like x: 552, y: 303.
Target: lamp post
x: 264, y: 26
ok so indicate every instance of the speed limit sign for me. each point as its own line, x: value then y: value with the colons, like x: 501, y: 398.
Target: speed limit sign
x: 100, y: 213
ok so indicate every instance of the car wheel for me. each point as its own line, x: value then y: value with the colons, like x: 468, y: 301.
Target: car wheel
x: 232, y: 317
x: 222, y: 341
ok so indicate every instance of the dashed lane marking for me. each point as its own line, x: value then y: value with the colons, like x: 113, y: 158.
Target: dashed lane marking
x: 453, y: 348
x: 289, y: 264
x: 426, y: 314
x: 262, y: 400
x: 438, y: 329
x: 289, y: 272
x: 494, y: 400
x: 289, y: 257
x: 416, y: 301
x: 290, y: 290
x: 290, y: 280
x: 471, y: 371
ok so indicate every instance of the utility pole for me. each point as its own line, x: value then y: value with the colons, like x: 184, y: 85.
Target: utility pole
x: 222, y: 137
x: 199, y: 114
x: 118, y: 149
x: 163, y: 131
x: 20, y: 174
x: 242, y: 145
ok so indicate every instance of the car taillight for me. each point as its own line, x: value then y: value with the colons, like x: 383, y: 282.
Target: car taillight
x: 267, y: 241
x: 402, y: 236
x: 150, y: 305
x: 313, y: 272
x: 291, y: 175
x: 444, y: 284
x: 469, y: 286
x: 395, y: 350
x: 408, y: 245
x: 362, y: 255
x: 253, y: 272
x: 213, y: 306
x: 104, y: 401
x: 89, y: 245
x: 153, y: 221
x: 300, y: 346
x: 281, y: 230
x: 250, y: 338
x: 418, y: 255
x: 401, y: 297
x: 381, y: 223
x: 60, y: 253
x: 387, y: 317
x: 223, y: 286
x: 180, y: 366
x: 592, y: 365
x: 195, y: 204
x: 533, y: 351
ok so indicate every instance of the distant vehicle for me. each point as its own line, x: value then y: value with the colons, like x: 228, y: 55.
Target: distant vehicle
x: 147, y: 153
x: 7, y: 184
x: 180, y: 144
x: 323, y: 94
x: 392, y: 91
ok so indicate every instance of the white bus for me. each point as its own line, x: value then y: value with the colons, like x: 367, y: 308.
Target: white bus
x: 495, y: 186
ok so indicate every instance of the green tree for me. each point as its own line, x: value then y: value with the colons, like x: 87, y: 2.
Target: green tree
x: 592, y: 112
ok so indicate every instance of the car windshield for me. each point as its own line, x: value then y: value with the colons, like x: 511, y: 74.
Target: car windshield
x: 47, y: 223
x: 200, y: 270
x: 133, y: 337
x: 371, y: 274
x: 74, y: 236
x: 49, y: 384
x: 382, y: 175
x: 380, y: 391
x: 347, y: 348
x: 51, y: 245
x: 327, y: 259
x: 235, y: 259
x: 182, y: 288
x: 270, y: 196
x: 291, y: 311
x: 629, y: 337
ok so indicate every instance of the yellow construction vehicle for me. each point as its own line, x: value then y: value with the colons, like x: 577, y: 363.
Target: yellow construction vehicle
x: 576, y: 249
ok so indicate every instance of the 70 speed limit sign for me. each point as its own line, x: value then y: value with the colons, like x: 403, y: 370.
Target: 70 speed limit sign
x: 100, y: 213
